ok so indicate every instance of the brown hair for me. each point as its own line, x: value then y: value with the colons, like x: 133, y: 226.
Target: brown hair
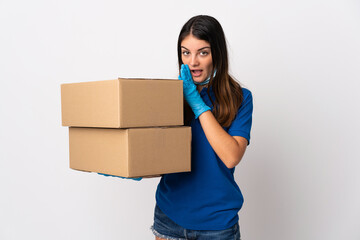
x: 228, y: 93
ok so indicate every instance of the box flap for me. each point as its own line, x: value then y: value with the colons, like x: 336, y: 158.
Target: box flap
x: 94, y: 104
x: 99, y: 150
x: 151, y: 103
x: 159, y: 150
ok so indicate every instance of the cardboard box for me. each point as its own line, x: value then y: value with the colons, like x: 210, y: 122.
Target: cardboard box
x: 134, y: 152
x: 122, y: 103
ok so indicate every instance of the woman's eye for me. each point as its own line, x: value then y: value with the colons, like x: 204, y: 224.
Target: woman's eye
x: 204, y: 53
x: 185, y: 53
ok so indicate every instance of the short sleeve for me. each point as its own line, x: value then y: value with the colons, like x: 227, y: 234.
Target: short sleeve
x: 241, y: 126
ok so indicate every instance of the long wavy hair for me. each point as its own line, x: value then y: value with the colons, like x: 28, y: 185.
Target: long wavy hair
x: 228, y: 93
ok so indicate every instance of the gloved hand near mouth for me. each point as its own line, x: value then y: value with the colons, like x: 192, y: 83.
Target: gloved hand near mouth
x: 191, y: 94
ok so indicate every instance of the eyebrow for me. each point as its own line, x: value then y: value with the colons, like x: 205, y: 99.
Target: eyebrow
x: 198, y: 49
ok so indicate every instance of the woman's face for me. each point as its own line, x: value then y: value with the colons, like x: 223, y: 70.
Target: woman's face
x: 197, y: 54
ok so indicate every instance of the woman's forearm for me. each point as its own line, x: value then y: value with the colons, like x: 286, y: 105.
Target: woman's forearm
x: 229, y: 149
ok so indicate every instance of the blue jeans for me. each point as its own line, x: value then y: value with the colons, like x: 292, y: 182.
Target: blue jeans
x: 165, y: 228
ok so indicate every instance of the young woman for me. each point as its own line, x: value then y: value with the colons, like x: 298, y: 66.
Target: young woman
x: 204, y: 203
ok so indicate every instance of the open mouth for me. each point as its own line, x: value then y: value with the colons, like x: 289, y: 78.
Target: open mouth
x: 196, y: 73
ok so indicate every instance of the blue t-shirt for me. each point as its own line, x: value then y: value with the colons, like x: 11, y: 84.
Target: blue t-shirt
x: 207, y: 198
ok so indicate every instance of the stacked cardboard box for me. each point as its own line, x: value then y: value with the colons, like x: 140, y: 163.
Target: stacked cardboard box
x: 126, y: 127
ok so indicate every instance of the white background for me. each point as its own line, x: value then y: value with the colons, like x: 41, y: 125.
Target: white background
x: 300, y: 175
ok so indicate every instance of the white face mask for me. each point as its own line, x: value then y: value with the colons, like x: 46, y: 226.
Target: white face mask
x: 206, y: 81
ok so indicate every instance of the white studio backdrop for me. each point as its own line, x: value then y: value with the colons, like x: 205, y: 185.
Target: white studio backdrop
x: 300, y: 59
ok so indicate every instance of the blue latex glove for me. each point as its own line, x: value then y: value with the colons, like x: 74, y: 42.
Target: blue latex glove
x: 108, y: 175
x: 191, y: 94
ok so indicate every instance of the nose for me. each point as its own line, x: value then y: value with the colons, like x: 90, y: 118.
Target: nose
x: 194, y: 61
